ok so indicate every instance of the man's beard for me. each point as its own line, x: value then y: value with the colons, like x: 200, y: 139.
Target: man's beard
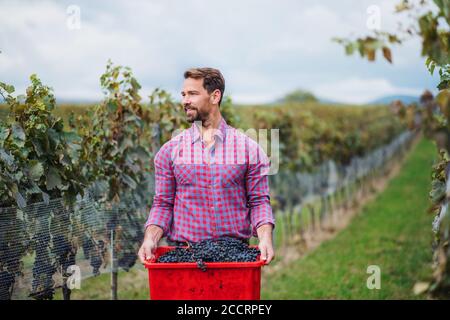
x: 197, y: 117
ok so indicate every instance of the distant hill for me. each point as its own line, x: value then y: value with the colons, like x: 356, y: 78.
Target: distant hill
x: 389, y: 99
x: 298, y: 95
x: 328, y: 101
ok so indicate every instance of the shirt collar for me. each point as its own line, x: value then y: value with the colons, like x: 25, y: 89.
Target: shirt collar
x: 220, y: 133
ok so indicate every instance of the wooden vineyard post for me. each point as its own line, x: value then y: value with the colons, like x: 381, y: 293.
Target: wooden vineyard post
x: 114, y: 274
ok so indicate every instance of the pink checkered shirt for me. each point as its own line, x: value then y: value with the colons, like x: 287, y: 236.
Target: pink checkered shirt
x: 208, y: 192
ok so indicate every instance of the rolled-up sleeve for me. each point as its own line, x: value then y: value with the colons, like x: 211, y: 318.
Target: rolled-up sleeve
x: 161, y: 212
x: 257, y: 186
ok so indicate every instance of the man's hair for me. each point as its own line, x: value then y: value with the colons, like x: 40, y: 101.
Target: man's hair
x: 212, y: 79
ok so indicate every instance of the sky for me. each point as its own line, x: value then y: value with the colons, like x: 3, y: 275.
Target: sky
x: 264, y: 49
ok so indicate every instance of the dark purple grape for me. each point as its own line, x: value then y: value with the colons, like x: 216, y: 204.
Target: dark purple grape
x: 224, y: 249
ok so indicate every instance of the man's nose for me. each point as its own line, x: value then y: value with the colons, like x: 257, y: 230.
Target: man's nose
x: 186, y: 101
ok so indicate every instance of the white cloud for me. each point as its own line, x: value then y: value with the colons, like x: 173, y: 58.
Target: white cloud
x: 264, y: 49
x: 359, y: 90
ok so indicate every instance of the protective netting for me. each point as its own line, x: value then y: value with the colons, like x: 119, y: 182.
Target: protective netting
x: 441, y: 251
x: 51, y: 237
x: 302, y: 187
x: 39, y: 244
x: 307, y: 203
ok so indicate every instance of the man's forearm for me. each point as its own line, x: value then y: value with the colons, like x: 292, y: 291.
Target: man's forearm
x: 265, y: 242
x: 153, y: 232
x: 265, y: 231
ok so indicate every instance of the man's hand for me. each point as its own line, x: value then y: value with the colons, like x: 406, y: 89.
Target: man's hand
x: 265, y: 242
x: 153, y: 234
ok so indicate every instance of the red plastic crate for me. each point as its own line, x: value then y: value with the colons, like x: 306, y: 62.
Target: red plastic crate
x: 220, y: 281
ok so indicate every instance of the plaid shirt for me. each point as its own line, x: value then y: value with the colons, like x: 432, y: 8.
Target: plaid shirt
x: 208, y: 192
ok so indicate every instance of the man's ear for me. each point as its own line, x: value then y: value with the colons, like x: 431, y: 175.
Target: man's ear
x: 213, y: 96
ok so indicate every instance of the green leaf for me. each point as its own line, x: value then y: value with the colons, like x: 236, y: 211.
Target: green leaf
x: 433, y: 66
x: 349, y: 49
x: 37, y: 147
x: 34, y: 189
x: 18, y: 175
x: 72, y: 137
x: 58, y: 125
x: 20, y: 200
x: 129, y: 181
x: 132, y: 117
x: 111, y: 106
x: 36, y: 170
x: 141, y: 153
x: 46, y: 198
x: 443, y: 100
x: 18, y: 135
x: 7, y: 158
x: 135, y: 84
x: 65, y: 160
x: 53, y: 179
x: 437, y: 192
x: 54, y: 138
x: 8, y: 88
x: 444, y: 85
x: 4, y: 133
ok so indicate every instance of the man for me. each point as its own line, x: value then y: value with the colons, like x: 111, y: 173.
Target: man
x: 211, y: 179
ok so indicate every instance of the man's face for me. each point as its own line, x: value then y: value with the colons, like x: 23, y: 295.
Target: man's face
x: 195, y: 100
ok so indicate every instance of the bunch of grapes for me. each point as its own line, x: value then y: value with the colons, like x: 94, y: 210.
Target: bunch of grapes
x: 64, y: 251
x: 88, y: 245
x: 97, y: 255
x: 93, y: 252
x: 6, y: 281
x: 127, y: 260
x: 43, y: 268
x: 224, y: 249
